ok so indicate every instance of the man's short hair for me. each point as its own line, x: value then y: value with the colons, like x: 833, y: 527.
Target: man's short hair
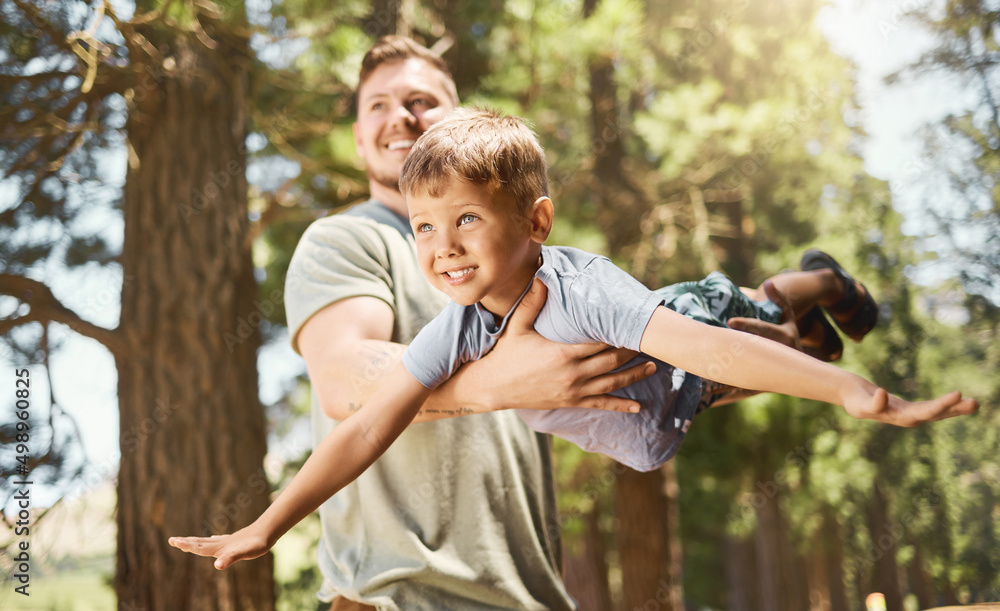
x: 484, y: 146
x: 392, y: 49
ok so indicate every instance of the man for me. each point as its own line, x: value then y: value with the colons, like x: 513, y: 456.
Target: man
x: 460, y: 512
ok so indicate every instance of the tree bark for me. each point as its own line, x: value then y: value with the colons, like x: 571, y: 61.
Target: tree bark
x: 383, y: 19
x: 586, y: 570
x: 650, y: 578
x: 620, y: 202
x: 192, y: 427
x: 826, y: 568
x: 769, y: 562
x: 641, y: 509
x: 920, y: 581
x: 783, y: 583
x: 741, y: 574
x: 882, y: 552
x: 833, y: 552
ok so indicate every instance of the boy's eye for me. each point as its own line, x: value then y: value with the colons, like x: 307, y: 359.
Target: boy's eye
x: 424, y: 228
x: 377, y: 106
x: 467, y: 218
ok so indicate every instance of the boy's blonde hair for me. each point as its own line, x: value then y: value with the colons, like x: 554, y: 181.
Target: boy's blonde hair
x: 484, y: 146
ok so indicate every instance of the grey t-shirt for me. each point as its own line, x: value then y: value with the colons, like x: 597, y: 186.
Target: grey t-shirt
x: 589, y: 300
x: 459, y: 513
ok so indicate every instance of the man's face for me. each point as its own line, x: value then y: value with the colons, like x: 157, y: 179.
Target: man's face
x: 396, y: 104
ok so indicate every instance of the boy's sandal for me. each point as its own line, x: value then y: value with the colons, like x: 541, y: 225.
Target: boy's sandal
x: 857, y: 313
x: 830, y: 347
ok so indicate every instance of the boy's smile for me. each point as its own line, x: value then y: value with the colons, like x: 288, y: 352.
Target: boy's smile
x: 473, y: 245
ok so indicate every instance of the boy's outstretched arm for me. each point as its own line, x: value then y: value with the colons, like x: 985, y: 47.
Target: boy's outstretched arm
x: 747, y: 361
x: 339, y: 459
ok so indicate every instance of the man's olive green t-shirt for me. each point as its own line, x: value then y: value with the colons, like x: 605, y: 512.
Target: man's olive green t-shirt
x: 458, y: 513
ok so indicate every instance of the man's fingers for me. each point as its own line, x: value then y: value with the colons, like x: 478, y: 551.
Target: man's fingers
x: 742, y: 324
x: 775, y: 295
x: 610, y: 403
x: 523, y: 318
x: 610, y: 382
x: 783, y: 334
x: 599, y: 358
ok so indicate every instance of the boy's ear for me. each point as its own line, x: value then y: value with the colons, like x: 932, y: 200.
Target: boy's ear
x: 541, y: 219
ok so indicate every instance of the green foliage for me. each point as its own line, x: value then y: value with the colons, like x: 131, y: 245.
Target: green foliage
x: 962, y: 155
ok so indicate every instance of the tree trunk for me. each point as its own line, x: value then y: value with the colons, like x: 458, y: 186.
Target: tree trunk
x: 783, y: 583
x: 920, y: 581
x: 769, y: 564
x: 620, y: 202
x: 741, y: 574
x: 641, y: 508
x: 383, y: 18
x: 675, y: 553
x: 833, y: 552
x: 192, y: 427
x: 882, y: 552
x: 826, y: 568
x: 646, y: 526
x: 819, y: 587
x: 586, y: 569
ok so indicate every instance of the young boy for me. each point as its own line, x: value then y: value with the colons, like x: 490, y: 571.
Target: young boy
x: 477, y: 194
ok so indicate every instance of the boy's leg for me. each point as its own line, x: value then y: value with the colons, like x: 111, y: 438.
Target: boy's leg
x: 802, y: 291
x: 826, y: 284
x: 801, y: 311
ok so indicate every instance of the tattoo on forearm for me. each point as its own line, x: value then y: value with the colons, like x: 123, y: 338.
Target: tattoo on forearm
x: 461, y: 411
x: 375, y: 362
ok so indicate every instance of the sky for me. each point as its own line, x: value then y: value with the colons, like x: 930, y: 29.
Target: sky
x: 873, y: 34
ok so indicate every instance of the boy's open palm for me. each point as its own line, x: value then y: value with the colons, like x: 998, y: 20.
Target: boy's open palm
x: 227, y: 549
x: 879, y: 405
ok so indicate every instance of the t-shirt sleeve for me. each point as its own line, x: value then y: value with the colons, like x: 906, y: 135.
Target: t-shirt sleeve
x: 611, y: 306
x: 337, y: 258
x: 440, y: 348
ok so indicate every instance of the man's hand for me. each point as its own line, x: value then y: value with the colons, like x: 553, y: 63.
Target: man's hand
x: 785, y: 332
x: 525, y: 370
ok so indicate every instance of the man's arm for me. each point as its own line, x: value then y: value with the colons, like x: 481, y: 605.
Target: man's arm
x: 339, y: 459
x: 349, y: 354
x: 748, y: 361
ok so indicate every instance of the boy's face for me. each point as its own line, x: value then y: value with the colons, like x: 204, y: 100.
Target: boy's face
x: 473, y: 245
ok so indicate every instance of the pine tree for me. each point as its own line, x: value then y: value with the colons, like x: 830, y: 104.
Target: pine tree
x: 169, y: 86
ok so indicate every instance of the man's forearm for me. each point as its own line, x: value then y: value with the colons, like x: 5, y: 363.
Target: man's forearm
x: 363, y: 367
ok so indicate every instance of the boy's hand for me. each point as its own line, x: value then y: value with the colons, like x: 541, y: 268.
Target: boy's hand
x: 542, y: 374
x: 877, y: 404
x: 244, y: 544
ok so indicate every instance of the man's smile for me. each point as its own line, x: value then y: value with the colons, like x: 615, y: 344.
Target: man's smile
x: 396, y: 145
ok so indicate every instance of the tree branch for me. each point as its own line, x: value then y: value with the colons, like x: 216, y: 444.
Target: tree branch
x: 44, y: 307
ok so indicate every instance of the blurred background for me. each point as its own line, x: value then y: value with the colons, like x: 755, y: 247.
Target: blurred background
x: 161, y: 158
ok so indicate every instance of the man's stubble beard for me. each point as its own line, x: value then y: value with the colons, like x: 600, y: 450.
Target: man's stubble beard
x: 386, y: 180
